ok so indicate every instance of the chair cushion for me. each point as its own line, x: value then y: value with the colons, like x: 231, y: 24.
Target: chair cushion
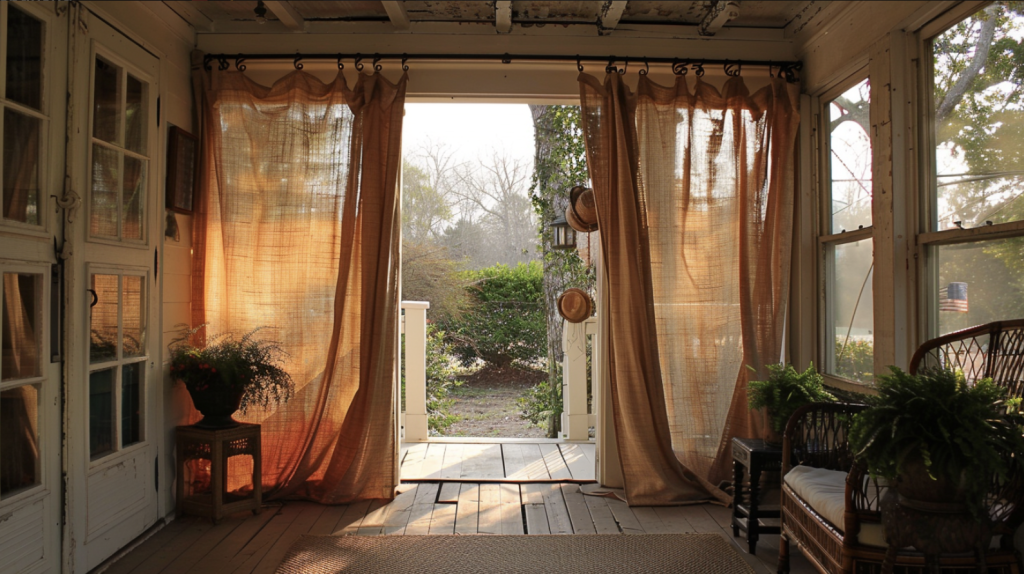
x: 825, y: 492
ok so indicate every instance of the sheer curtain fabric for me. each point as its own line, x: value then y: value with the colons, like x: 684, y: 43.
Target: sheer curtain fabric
x: 694, y: 190
x: 297, y: 230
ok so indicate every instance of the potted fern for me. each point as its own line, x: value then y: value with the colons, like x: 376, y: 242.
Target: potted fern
x: 938, y: 439
x: 227, y: 374
x: 781, y: 394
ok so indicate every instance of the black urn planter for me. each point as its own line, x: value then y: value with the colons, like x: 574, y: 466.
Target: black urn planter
x: 217, y: 403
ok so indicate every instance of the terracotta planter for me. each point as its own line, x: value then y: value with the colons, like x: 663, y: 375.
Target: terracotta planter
x: 217, y: 404
x: 770, y: 436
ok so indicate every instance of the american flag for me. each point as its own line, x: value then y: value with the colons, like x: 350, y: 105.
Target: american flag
x: 953, y: 297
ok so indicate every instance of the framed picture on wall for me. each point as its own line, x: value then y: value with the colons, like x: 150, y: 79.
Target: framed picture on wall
x: 181, y: 170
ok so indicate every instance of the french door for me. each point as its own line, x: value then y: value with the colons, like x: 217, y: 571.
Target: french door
x: 113, y: 328
x: 32, y: 125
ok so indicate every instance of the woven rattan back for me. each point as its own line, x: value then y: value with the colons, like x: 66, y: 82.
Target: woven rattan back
x: 818, y: 435
x: 993, y: 350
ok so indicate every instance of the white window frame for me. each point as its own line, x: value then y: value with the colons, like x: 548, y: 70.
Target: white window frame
x: 928, y: 238
x: 826, y: 240
x: 119, y: 361
x: 43, y: 424
x: 42, y: 230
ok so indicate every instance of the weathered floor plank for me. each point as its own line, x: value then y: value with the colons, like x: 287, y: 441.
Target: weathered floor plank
x: 554, y: 461
x: 579, y: 466
x: 467, y: 515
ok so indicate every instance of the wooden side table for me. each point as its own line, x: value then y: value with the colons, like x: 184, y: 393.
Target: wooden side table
x: 217, y: 446
x: 747, y: 514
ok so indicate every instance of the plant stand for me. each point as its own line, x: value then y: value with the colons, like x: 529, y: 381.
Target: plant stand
x: 217, y: 446
x: 932, y: 530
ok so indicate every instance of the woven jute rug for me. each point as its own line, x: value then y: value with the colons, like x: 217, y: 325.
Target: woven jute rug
x: 470, y: 554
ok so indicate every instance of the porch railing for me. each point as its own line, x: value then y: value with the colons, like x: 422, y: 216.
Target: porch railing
x: 577, y: 418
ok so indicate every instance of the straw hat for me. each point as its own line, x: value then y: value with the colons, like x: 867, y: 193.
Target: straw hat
x: 582, y: 211
x: 575, y: 305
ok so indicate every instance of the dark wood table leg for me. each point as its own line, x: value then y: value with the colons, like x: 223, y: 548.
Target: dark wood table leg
x: 752, y: 525
x: 737, y: 495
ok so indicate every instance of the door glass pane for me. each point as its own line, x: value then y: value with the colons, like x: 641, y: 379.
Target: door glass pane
x: 24, y: 58
x: 850, y: 158
x: 105, y: 184
x: 131, y: 403
x: 101, y: 412
x: 978, y: 108
x: 19, y: 439
x: 134, y: 116
x: 132, y: 198
x: 852, y: 312
x: 22, y: 318
x: 103, y: 319
x: 979, y: 283
x: 134, y: 317
x: 107, y: 102
x: 21, y: 167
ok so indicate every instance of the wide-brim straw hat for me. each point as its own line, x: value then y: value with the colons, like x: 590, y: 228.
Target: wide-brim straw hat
x: 582, y: 211
x: 575, y: 305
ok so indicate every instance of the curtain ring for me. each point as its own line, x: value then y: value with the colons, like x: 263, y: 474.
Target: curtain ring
x: 206, y: 62
x: 770, y: 73
x: 625, y: 66
x: 405, y: 58
x: 506, y: 59
x: 297, y: 62
x: 376, y: 66
x: 732, y: 69
x: 679, y: 67
x: 239, y: 65
x: 359, y: 62
x: 611, y: 65
x: 647, y: 67
x: 222, y: 63
x: 579, y: 65
x: 341, y: 66
x: 698, y: 68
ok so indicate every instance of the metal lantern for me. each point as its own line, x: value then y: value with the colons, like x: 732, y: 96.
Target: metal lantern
x: 562, y: 236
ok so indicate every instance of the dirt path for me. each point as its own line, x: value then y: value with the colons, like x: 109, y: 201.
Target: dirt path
x: 485, y: 403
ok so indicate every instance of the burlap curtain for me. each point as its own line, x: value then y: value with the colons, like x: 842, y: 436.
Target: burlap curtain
x: 297, y: 229
x: 695, y: 205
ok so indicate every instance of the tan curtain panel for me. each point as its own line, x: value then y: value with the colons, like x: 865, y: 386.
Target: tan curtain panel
x: 297, y: 229
x: 694, y: 193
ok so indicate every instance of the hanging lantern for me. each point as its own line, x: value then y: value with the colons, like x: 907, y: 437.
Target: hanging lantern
x: 562, y: 236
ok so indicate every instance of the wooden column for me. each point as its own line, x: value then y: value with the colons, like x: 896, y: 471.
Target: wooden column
x: 415, y: 361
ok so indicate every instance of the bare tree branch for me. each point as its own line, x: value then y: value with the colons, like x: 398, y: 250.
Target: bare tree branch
x: 967, y: 78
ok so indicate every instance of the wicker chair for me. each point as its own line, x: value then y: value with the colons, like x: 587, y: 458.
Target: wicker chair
x: 816, y: 438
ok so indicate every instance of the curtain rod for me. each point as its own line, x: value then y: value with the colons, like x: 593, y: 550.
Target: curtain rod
x: 680, y: 66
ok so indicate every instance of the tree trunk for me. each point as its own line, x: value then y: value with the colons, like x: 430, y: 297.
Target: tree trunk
x: 552, y: 187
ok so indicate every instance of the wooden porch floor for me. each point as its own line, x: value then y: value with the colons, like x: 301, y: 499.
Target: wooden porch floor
x: 244, y: 543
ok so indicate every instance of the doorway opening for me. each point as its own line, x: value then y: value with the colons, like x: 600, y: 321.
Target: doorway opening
x: 481, y: 184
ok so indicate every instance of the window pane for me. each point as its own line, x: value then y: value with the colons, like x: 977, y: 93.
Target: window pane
x: 979, y: 283
x: 21, y: 167
x: 105, y: 184
x: 19, y: 439
x: 979, y: 119
x: 131, y: 400
x: 106, y: 102
x: 101, y: 413
x: 24, y: 58
x: 850, y: 158
x: 135, y: 116
x: 134, y: 317
x: 852, y: 312
x: 103, y: 319
x: 22, y: 318
x: 134, y: 194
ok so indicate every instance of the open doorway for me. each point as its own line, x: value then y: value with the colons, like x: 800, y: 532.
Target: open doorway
x: 481, y: 184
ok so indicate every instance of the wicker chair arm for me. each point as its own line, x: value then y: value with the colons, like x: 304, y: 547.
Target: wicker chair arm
x: 817, y: 435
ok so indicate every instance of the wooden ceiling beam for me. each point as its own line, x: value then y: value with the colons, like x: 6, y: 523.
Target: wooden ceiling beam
x: 187, y: 12
x: 503, y: 16
x: 609, y: 16
x: 287, y: 14
x: 721, y: 12
x: 397, y: 14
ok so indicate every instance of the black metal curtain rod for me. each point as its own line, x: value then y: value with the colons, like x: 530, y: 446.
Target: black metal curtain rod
x: 680, y: 66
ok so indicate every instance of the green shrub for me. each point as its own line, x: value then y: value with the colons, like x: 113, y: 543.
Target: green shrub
x: 856, y: 361
x: 506, y: 321
x: 541, y: 404
x: 441, y: 372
